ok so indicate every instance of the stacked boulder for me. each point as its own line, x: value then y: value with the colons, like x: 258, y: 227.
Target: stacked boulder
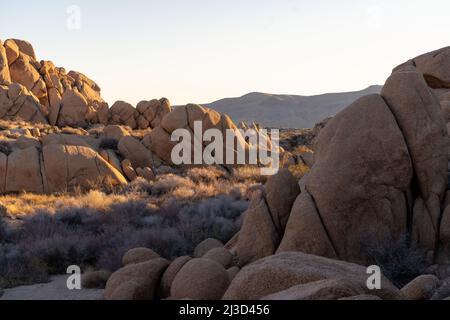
x: 128, y: 153
x: 39, y: 92
x: 147, y: 114
x: 63, y: 99
x: 185, y: 117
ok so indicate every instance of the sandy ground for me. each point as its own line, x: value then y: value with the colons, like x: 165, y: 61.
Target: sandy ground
x: 54, y: 290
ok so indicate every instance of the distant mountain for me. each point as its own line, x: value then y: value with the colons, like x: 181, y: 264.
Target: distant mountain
x: 287, y: 111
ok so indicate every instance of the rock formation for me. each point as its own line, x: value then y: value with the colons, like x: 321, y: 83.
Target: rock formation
x: 39, y: 92
x: 379, y: 173
x: 62, y: 158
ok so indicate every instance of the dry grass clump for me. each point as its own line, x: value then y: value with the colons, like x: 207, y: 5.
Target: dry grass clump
x: 27, y: 204
x: 197, y: 184
x: 301, y: 149
x: 206, y: 174
x: 170, y: 182
x: 248, y: 173
x: 298, y: 170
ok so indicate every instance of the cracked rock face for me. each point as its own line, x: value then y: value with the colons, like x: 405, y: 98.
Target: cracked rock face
x: 379, y: 173
x: 358, y: 187
x: 16, y: 102
x: 53, y: 167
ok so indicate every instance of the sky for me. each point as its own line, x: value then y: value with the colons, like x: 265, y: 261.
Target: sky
x: 199, y: 51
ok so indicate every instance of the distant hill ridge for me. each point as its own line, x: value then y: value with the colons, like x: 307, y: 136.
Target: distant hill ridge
x: 287, y: 111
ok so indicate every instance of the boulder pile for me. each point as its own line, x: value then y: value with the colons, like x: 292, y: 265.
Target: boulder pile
x: 71, y: 138
x: 379, y: 173
x: 39, y: 92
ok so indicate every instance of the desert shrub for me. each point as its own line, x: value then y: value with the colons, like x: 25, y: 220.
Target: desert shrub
x: 16, y: 269
x: 399, y: 260
x: 206, y: 174
x: 300, y: 149
x: 217, y: 218
x: 5, y: 148
x: 138, y: 186
x: 298, y: 170
x: 248, y: 173
x: 97, y: 236
x: 108, y: 143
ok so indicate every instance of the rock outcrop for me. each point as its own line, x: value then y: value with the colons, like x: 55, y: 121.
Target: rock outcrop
x: 64, y: 155
x: 379, y: 174
x: 159, y: 140
x: 44, y: 93
x: 62, y: 98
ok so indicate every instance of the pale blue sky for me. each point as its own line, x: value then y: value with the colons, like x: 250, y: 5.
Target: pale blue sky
x: 200, y: 51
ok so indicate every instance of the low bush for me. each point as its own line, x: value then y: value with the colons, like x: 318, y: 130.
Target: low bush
x: 400, y: 260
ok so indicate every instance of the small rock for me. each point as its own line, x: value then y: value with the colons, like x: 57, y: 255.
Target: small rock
x: 220, y: 255
x: 200, y: 279
x: 95, y: 279
x: 205, y: 246
x: 170, y: 274
x: 138, y: 255
x: 421, y: 288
